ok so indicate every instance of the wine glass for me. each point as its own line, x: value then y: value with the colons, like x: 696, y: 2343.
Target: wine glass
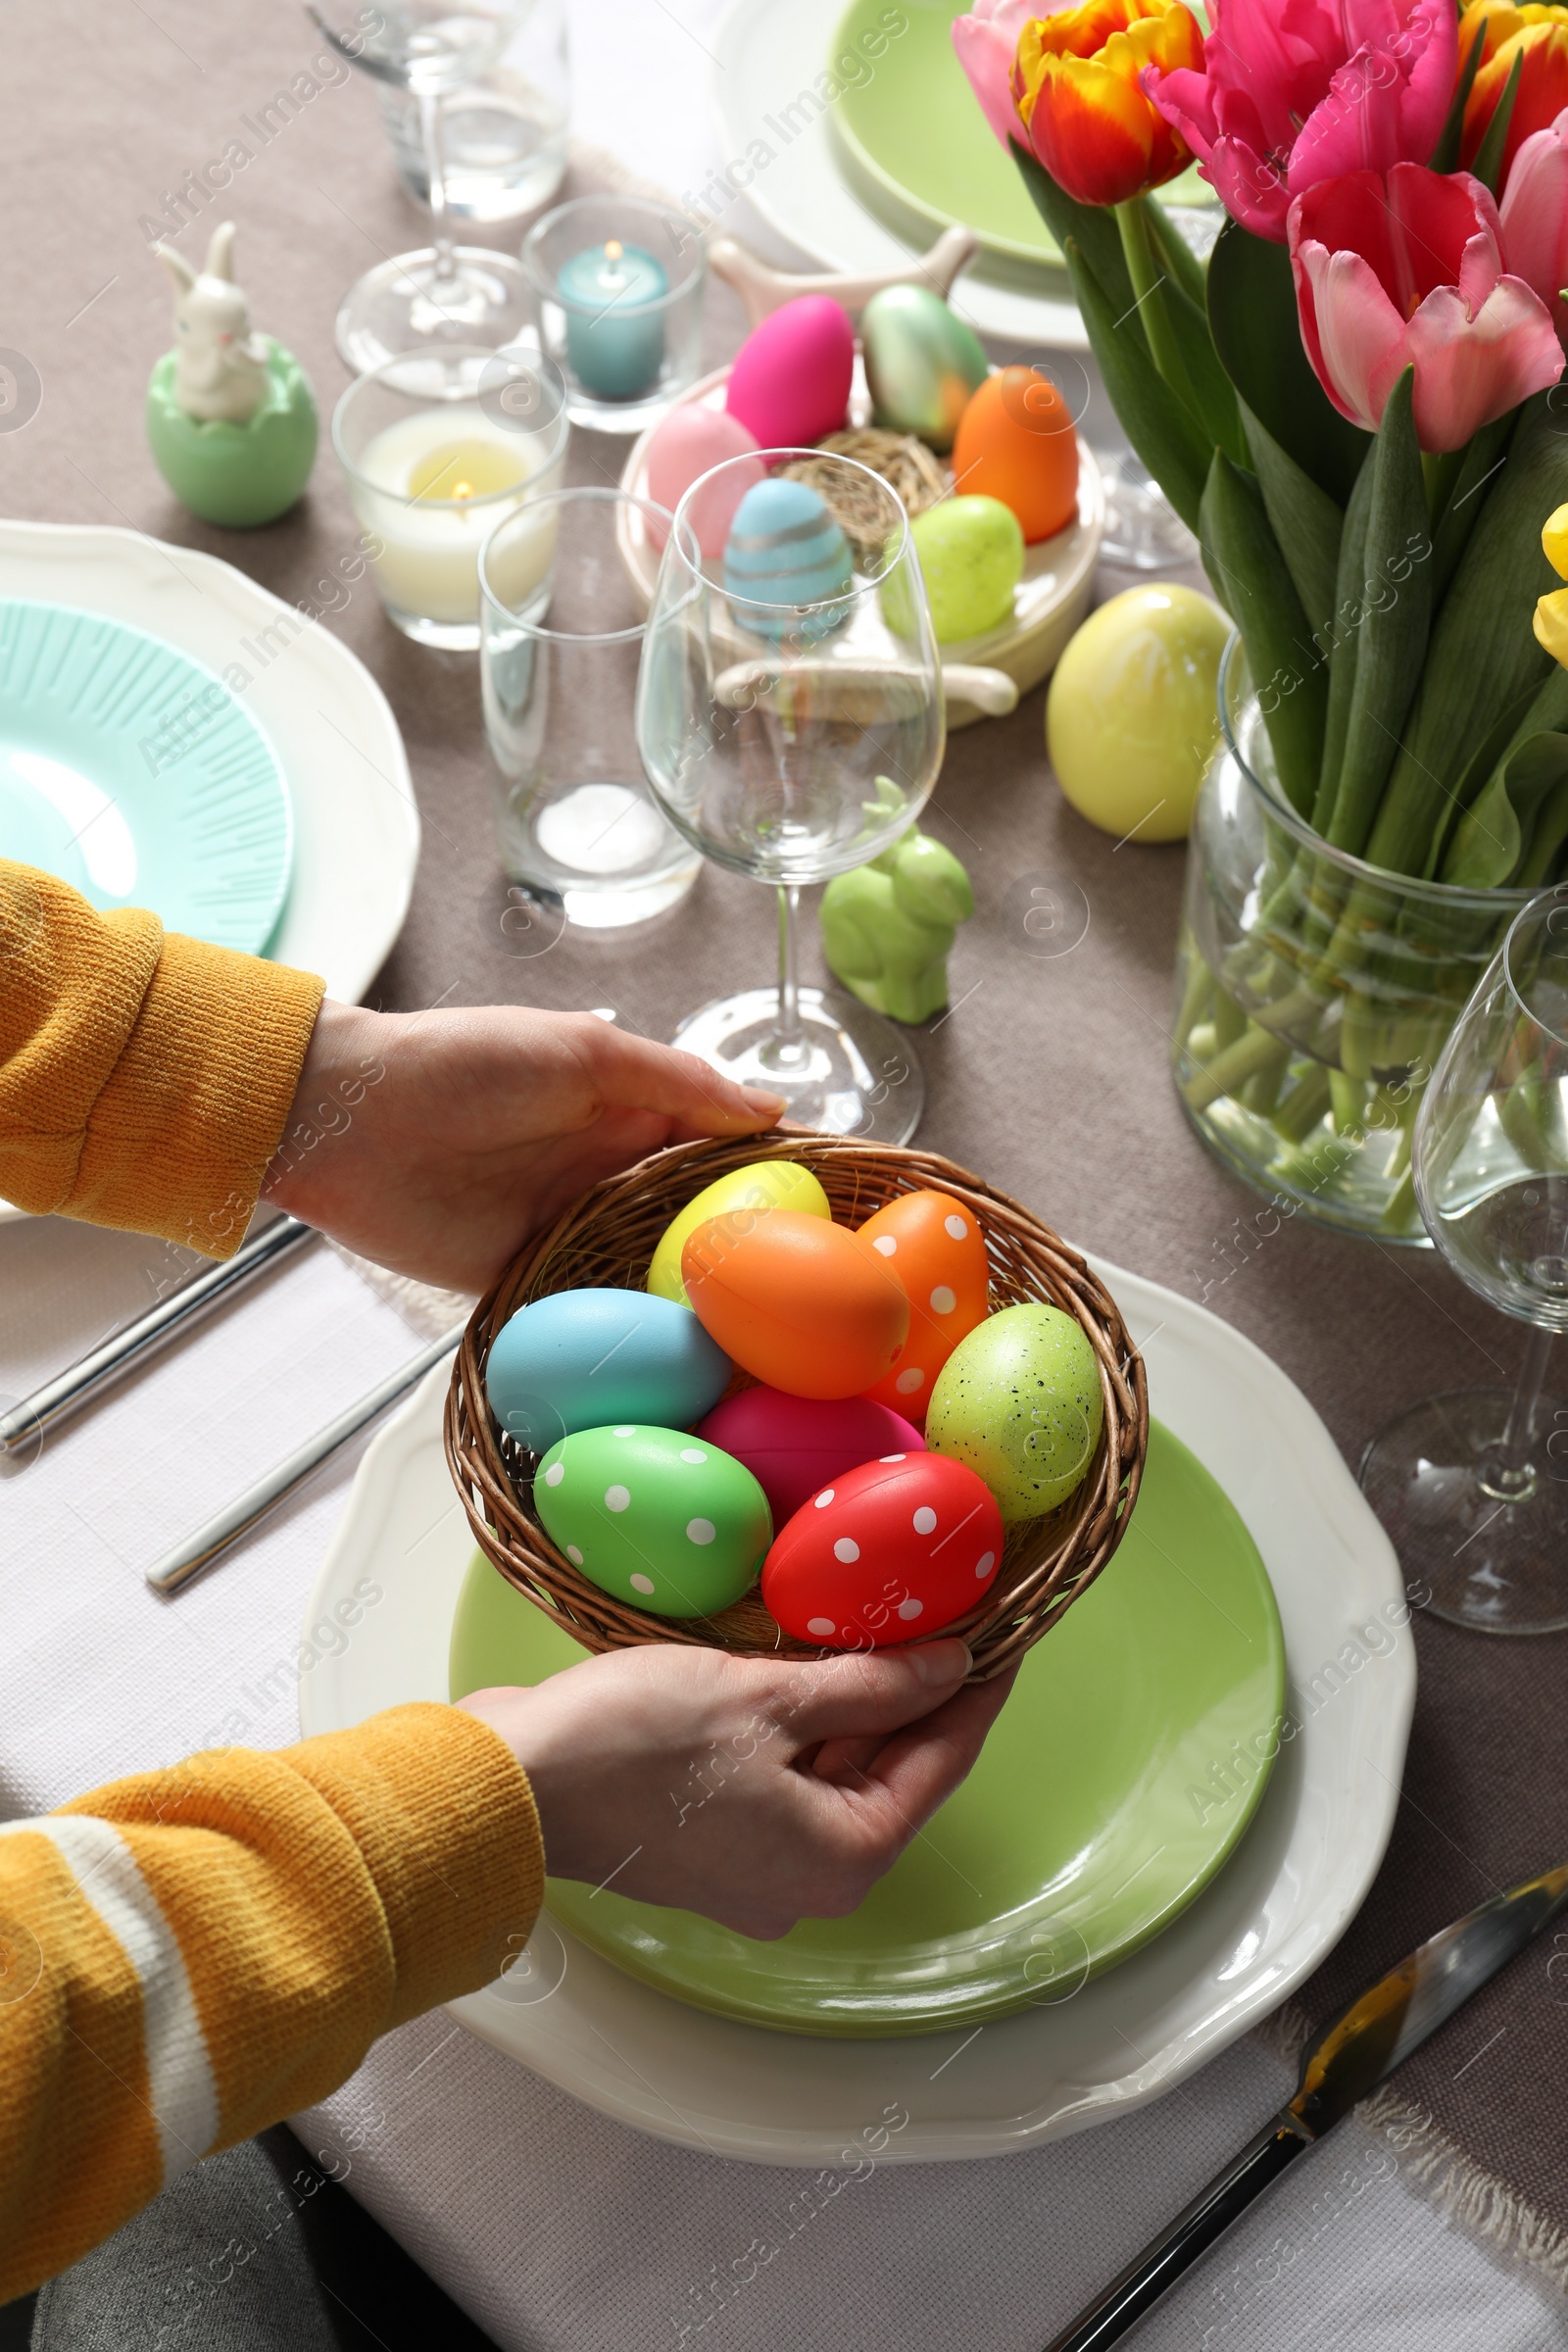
x: 443, y: 293
x: 1473, y: 1486
x: 791, y: 723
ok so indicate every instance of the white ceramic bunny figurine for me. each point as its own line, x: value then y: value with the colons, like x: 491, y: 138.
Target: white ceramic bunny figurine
x: 219, y: 366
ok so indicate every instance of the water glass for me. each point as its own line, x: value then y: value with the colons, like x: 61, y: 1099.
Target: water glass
x: 436, y: 447
x: 1473, y: 1486
x: 562, y: 641
x: 502, y: 137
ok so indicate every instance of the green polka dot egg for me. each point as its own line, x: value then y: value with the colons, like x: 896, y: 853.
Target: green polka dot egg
x: 654, y: 1517
x: 1019, y: 1402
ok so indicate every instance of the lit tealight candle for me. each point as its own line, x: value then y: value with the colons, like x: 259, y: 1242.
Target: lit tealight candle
x: 614, y: 343
x: 444, y: 473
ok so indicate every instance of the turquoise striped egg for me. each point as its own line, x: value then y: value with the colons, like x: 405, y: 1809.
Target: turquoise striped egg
x: 785, y: 549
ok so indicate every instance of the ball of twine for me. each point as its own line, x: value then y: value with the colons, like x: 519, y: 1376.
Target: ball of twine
x: 905, y: 464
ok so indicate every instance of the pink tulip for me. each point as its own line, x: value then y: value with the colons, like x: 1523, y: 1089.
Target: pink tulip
x: 1406, y: 268
x: 1297, y: 91
x: 986, y: 41
x: 1534, y: 217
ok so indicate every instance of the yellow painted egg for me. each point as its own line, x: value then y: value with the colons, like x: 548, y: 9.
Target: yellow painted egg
x: 745, y: 1195
x: 1131, y: 722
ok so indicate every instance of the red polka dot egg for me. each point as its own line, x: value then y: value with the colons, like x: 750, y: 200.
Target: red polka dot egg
x: 890, y: 1552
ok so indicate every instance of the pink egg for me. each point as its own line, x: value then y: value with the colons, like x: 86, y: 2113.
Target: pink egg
x: 794, y: 1445
x: 689, y: 443
x: 790, y: 384
x: 890, y: 1552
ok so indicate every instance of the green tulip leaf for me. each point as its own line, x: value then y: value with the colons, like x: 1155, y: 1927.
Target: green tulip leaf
x: 1478, y: 468
x: 1445, y: 154
x: 1257, y: 334
x: 1161, y: 428
x: 1482, y: 659
x: 1543, y: 859
x: 1340, y: 642
x: 1305, y: 521
x: 1242, y: 558
x: 1092, y: 227
x: 1395, y: 620
x: 1185, y: 270
x: 1487, y: 164
x: 1491, y: 835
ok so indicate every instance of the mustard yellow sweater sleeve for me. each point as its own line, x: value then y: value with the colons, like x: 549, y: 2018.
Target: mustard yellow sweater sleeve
x: 144, y: 1078
x: 187, y: 1956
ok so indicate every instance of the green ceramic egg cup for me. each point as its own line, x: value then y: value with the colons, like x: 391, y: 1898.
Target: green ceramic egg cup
x: 1115, y: 1784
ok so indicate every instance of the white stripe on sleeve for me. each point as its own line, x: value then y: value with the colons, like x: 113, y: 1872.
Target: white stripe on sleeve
x: 184, y: 2094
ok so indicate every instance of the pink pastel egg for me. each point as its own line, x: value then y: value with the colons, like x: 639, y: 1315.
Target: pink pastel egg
x: 691, y: 441
x: 890, y: 1552
x: 793, y: 1445
x: 790, y: 384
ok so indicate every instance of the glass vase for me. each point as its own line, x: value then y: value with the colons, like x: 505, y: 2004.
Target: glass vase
x: 1314, y: 993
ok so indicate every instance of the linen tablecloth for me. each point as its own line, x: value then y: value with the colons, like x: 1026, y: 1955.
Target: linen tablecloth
x: 557, y: 2227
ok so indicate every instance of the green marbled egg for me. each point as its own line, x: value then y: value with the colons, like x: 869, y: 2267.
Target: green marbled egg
x: 1019, y: 1401
x: 922, y: 362
x: 654, y: 1516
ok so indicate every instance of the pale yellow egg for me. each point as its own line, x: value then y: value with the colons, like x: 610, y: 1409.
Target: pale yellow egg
x: 1130, y: 719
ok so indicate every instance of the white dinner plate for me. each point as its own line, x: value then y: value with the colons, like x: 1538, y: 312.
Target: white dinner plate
x: 1297, y: 1879
x: 356, y: 824
x: 768, y: 56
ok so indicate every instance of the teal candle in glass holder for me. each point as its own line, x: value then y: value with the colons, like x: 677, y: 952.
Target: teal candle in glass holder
x: 614, y: 344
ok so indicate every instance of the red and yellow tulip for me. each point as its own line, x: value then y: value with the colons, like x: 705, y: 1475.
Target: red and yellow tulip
x: 1537, y: 30
x: 1078, y: 88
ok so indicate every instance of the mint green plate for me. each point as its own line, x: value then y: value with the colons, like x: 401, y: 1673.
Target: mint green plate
x: 130, y: 772
x: 1106, y: 1797
x: 916, y: 130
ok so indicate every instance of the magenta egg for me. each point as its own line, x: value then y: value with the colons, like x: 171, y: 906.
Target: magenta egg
x: 790, y: 384
x: 689, y: 443
x: 793, y: 1445
x: 890, y: 1552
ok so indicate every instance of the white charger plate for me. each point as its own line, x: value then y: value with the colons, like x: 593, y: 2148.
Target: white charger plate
x: 356, y: 823
x: 766, y: 53
x: 1296, y: 1879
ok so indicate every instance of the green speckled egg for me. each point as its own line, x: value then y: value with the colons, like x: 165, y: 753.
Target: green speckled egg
x: 922, y: 363
x: 1019, y: 1402
x: 971, y: 556
x: 654, y: 1516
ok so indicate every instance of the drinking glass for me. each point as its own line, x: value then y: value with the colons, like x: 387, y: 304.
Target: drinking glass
x: 559, y: 654
x: 1471, y: 1486
x: 503, y: 140
x: 790, y: 741
x: 443, y: 293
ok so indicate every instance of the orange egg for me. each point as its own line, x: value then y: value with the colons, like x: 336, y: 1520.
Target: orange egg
x: 934, y: 1246
x: 1017, y: 443
x: 809, y: 1307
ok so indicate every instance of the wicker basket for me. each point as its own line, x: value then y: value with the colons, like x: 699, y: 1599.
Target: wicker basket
x: 609, y: 1238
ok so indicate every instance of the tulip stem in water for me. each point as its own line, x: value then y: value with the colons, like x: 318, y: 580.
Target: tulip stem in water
x: 1149, y: 279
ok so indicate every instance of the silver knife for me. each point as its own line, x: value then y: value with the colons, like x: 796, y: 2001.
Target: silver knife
x: 198, y: 1551
x: 126, y: 1349
x: 1376, y: 2035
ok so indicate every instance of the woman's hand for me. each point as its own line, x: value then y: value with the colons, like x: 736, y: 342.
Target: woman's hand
x: 436, y: 1142
x: 757, y: 1794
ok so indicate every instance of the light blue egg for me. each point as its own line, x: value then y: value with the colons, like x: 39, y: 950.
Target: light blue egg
x: 784, y: 547
x: 589, y: 1359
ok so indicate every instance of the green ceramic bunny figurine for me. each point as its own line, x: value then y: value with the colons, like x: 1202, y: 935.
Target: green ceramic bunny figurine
x: 888, y: 927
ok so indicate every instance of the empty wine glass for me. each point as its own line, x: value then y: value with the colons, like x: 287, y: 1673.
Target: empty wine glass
x: 1473, y: 1486
x: 791, y: 723
x: 443, y: 293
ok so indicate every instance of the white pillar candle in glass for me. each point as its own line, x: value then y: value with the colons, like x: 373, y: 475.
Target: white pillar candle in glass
x: 437, y: 447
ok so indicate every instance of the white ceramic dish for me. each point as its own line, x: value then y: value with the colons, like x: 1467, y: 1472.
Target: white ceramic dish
x: 1296, y: 1879
x: 1048, y: 603
x: 766, y: 53
x: 356, y: 827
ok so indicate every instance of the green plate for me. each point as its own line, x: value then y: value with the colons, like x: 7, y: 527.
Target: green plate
x: 916, y: 131
x: 1105, y: 1799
